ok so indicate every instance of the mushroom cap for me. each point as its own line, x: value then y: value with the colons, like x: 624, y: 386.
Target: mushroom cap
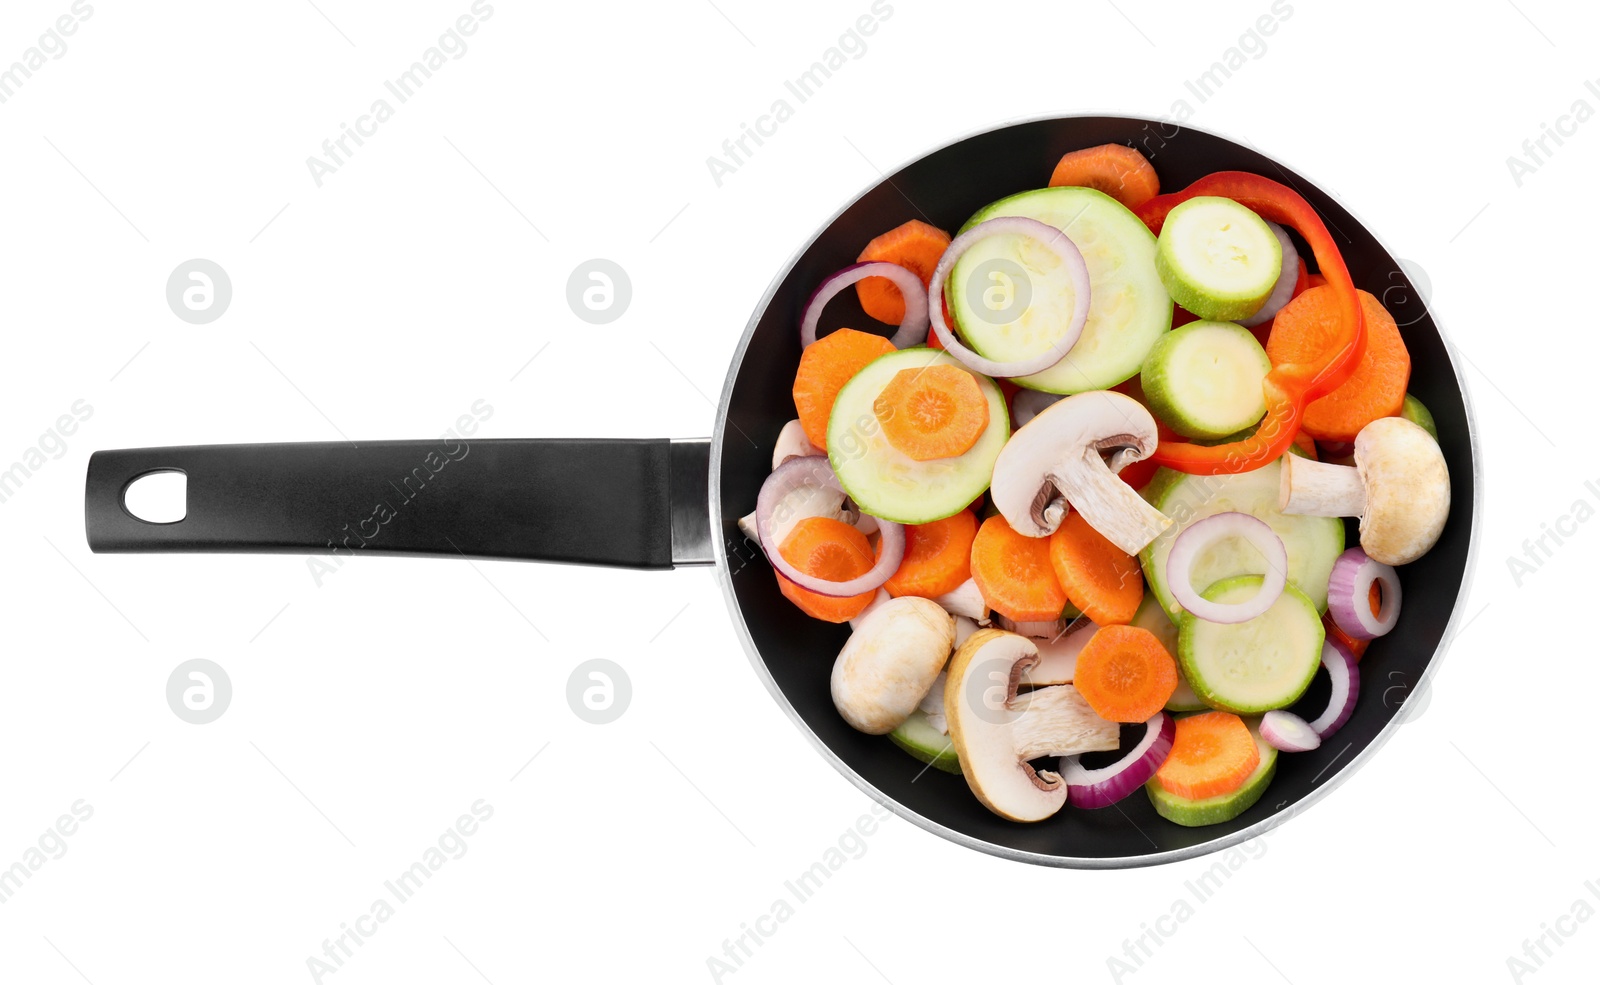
x: 1408, y: 490
x: 995, y: 730
x: 978, y: 692
x: 1071, y: 452
x: 890, y: 662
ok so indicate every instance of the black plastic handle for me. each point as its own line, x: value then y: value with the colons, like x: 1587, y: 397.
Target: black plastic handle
x: 622, y: 503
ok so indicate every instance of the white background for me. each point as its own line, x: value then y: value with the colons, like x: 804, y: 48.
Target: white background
x: 370, y: 712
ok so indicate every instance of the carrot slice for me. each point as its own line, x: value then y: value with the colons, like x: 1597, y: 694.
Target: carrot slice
x: 1102, y: 581
x: 831, y: 549
x: 1013, y: 573
x: 826, y: 366
x: 1125, y: 674
x: 1307, y: 326
x: 914, y: 245
x: 938, y: 557
x: 932, y: 412
x: 1115, y: 169
x: 1213, y: 754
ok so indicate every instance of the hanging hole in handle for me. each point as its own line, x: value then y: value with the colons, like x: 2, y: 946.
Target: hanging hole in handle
x: 157, y: 497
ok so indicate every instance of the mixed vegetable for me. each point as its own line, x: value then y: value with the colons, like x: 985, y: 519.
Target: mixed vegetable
x: 1095, y: 479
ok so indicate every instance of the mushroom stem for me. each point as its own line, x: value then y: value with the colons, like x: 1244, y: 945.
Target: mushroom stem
x: 1110, y: 505
x: 1057, y: 721
x: 1309, y: 488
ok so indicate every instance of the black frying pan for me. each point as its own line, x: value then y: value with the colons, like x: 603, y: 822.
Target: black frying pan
x: 662, y: 504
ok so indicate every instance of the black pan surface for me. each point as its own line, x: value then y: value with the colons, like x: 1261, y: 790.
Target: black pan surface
x: 795, y: 653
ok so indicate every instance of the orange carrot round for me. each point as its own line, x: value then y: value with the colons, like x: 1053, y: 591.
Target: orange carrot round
x: 1125, y: 674
x: 831, y: 549
x: 1303, y: 331
x: 938, y: 557
x: 1013, y: 573
x: 826, y: 366
x: 932, y: 412
x: 1213, y: 754
x: 914, y: 245
x: 1100, y: 580
x: 1115, y: 169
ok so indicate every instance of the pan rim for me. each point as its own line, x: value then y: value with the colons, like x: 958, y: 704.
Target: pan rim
x: 1222, y: 842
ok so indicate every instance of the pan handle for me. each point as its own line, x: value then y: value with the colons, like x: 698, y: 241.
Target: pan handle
x: 633, y: 503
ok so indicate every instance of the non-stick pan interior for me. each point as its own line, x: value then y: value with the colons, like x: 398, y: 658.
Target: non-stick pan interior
x: 945, y: 188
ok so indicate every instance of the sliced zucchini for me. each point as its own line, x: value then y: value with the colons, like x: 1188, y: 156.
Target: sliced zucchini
x: 1257, y: 665
x: 1149, y: 616
x: 1417, y: 413
x: 890, y: 484
x: 926, y: 743
x: 1313, y: 542
x: 1223, y: 807
x: 1204, y: 379
x: 1010, y: 298
x: 1217, y: 258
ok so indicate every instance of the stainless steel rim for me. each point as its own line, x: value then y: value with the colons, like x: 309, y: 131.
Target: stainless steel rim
x: 1217, y: 844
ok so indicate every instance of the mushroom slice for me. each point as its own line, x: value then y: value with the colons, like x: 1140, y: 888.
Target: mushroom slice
x: 890, y: 662
x: 1399, y: 487
x: 792, y: 443
x: 798, y: 504
x: 995, y: 731
x: 1071, y: 454
x: 1042, y: 629
x: 966, y: 601
x: 1058, y: 657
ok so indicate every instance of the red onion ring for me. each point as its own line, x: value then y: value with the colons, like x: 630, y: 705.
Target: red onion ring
x: 815, y: 470
x: 1202, y: 534
x: 1289, y: 732
x: 1013, y: 225
x: 1283, y: 289
x: 1346, y: 678
x: 913, y: 327
x: 1104, y: 787
x: 1348, y: 589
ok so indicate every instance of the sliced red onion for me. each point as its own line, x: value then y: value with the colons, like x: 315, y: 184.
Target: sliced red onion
x: 1027, y: 404
x: 1346, y: 677
x: 1104, y: 787
x: 1289, y: 732
x: 913, y: 327
x: 1014, y: 225
x: 814, y: 470
x: 1283, y: 290
x: 1349, y: 589
x: 1199, y: 537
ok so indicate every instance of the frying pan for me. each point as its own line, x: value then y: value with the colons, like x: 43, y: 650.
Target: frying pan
x: 664, y: 504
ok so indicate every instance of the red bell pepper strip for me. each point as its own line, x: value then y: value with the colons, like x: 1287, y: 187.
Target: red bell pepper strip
x: 1289, y: 386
